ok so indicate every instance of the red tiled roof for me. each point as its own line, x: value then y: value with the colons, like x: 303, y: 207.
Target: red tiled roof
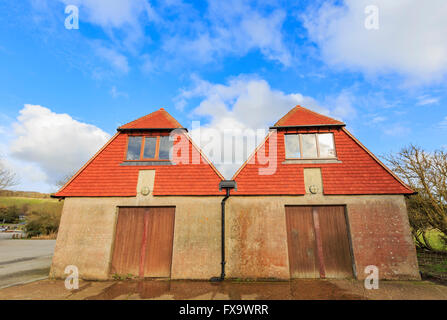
x: 359, y: 172
x: 300, y: 116
x: 155, y: 120
x: 104, y: 176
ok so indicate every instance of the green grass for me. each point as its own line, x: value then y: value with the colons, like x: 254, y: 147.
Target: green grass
x: 32, y: 204
x: 19, y: 201
x: 439, y: 267
x: 434, y: 239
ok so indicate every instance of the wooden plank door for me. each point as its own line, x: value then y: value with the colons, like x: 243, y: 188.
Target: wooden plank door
x: 335, y: 242
x: 143, y: 242
x: 158, y: 254
x: 128, y: 241
x: 303, y: 258
x: 318, y: 242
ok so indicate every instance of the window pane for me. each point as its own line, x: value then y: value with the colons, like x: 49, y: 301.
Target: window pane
x: 326, y: 143
x: 165, y: 148
x: 149, y: 147
x: 292, y: 143
x: 309, y: 145
x: 134, y: 148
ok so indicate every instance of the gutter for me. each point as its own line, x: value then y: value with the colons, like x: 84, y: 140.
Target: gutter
x: 227, y: 185
x: 339, y: 125
x: 148, y: 129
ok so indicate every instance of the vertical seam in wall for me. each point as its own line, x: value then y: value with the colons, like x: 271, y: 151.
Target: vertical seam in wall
x: 112, y: 248
x: 173, y: 243
x: 351, y: 246
x: 316, y: 220
x: 144, y: 243
x: 287, y: 241
x: 173, y: 239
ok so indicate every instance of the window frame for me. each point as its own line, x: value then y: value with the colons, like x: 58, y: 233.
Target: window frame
x: 157, y: 148
x: 300, y: 139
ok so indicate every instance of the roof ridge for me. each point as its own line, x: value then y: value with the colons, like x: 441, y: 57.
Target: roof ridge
x: 299, y: 107
x: 169, y: 117
x: 319, y: 114
x: 287, y: 115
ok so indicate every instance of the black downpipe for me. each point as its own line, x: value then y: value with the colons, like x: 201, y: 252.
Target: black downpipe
x: 223, y: 262
x: 227, y: 185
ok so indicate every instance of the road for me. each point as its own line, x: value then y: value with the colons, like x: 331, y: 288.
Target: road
x: 23, y: 261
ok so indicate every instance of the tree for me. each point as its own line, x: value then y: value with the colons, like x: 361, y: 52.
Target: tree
x: 7, y: 177
x: 42, y: 223
x: 9, y: 214
x: 425, y: 173
x: 61, y: 182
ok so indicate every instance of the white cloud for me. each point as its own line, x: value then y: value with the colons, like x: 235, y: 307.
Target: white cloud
x: 116, y: 59
x: 411, y: 39
x: 125, y: 16
x: 115, y: 93
x: 242, y: 98
x: 427, y: 100
x: 378, y: 119
x: 232, y: 28
x: 342, y: 105
x: 397, y: 130
x: 185, y: 33
x: 112, y: 13
x: 55, y: 143
x: 245, y: 103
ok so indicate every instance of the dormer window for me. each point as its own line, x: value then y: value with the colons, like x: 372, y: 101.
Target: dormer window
x: 310, y: 146
x: 153, y: 148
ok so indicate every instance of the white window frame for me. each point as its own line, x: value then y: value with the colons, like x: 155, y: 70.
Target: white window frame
x: 317, y: 144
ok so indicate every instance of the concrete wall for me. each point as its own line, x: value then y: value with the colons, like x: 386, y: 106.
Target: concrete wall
x: 86, y: 235
x: 380, y: 234
x: 256, y: 238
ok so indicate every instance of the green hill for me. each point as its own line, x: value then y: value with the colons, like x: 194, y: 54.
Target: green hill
x: 29, y: 205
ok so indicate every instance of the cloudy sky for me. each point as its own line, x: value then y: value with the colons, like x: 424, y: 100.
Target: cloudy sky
x: 227, y: 64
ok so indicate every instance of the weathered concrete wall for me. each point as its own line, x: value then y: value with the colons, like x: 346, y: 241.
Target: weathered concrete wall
x: 257, y: 237
x: 381, y: 236
x: 256, y: 240
x: 87, y: 228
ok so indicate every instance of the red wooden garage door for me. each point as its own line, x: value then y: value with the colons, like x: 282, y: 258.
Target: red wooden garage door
x: 318, y: 242
x: 143, y: 242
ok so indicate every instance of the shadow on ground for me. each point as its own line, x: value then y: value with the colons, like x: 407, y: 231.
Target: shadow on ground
x: 348, y: 289
x: 183, y: 290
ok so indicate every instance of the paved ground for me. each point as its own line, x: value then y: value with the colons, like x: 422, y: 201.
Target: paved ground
x: 23, y: 261
x: 202, y: 290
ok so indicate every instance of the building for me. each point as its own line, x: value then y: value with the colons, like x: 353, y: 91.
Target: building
x: 131, y: 211
x: 311, y: 202
x: 326, y: 207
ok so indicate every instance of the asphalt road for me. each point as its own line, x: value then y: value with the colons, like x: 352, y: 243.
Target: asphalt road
x: 23, y: 261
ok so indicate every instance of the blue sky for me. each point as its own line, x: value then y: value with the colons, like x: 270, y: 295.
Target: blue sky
x: 226, y: 64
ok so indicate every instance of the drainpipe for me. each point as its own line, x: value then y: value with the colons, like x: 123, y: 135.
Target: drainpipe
x: 227, y: 185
